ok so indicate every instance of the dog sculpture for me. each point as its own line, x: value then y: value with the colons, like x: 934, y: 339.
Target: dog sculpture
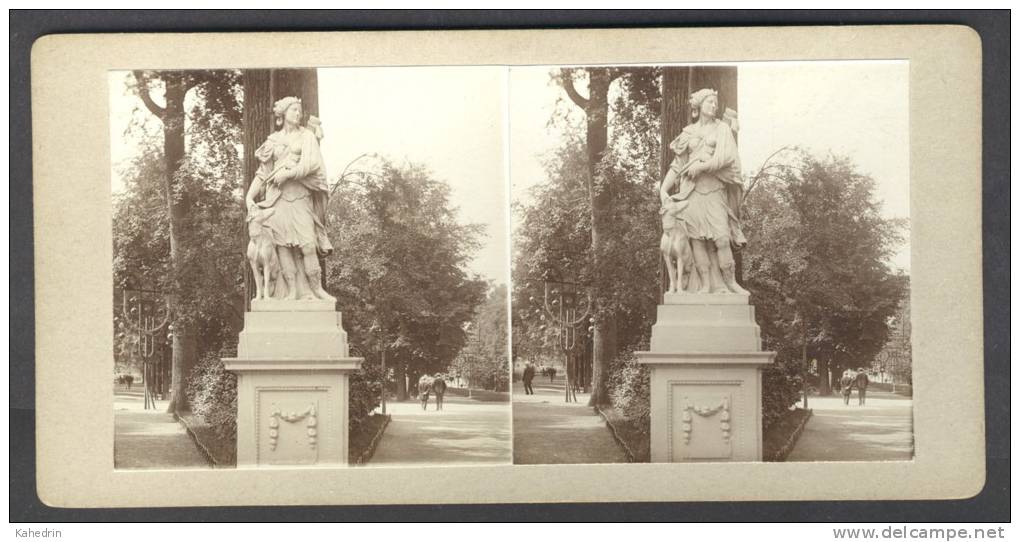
x: 431, y: 384
x: 675, y: 245
x: 262, y: 252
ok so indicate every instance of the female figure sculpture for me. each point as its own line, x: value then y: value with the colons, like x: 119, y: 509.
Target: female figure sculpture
x: 706, y: 174
x: 291, y: 180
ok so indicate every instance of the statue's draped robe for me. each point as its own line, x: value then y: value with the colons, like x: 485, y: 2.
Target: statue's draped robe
x: 714, y: 195
x: 300, y: 202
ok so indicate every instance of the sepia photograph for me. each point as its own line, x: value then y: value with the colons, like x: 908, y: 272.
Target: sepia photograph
x: 309, y: 267
x: 711, y: 262
x: 435, y: 268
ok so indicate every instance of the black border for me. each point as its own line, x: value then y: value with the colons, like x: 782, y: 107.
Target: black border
x: 991, y: 505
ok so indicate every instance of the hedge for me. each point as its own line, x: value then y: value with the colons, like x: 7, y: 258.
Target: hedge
x: 212, y: 394
x: 629, y: 388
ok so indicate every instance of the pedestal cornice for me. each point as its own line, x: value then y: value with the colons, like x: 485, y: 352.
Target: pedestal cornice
x: 705, y: 358
x: 339, y: 364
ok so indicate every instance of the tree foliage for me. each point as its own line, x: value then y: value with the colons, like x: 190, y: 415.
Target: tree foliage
x: 554, y: 239
x: 212, y: 394
x: 816, y: 259
x: 484, y: 361
x: 816, y: 264
x: 399, y: 269
x: 602, y: 182
x: 204, y: 280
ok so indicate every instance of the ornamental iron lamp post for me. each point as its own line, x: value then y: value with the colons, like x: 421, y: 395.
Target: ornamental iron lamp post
x: 563, y: 307
x: 145, y: 313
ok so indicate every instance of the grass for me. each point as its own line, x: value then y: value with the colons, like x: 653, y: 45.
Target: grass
x: 633, y: 433
x: 780, y: 437
x: 484, y: 396
x: 363, y: 441
x: 223, y: 450
x: 901, y: 389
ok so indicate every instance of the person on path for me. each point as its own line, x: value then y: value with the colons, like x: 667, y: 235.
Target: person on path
x: 529, y: 375
x: 861, y: 381
x: 846, y: 385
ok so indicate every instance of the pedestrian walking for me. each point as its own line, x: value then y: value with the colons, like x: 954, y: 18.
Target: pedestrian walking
x: 529, y: 375
x: 846, y: 385
x: 861, y: 381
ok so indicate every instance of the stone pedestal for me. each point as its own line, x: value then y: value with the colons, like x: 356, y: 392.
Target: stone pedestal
x: 292, y: 369
x: 705, y: 359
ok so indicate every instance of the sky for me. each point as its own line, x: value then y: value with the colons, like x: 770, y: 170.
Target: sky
x: 857, y: 109
x: 451, y: 119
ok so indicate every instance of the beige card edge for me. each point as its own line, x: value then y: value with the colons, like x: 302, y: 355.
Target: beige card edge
x: 72, y: 207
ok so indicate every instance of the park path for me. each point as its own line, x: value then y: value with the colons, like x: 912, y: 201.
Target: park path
x: 881, y: 430
x: 150, y: 439
x: 466, y: 431
x: 549, y: 430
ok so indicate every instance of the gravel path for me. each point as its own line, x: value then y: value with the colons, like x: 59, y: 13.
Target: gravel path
x: 881, y: 430
x: 466, y: 431
x: 549, y: 430
x: 150, y: 439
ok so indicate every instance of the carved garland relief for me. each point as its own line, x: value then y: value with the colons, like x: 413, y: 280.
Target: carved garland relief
x: 705, y: 412
x: 687, y: 400
x: 269, y: 426
x: 311, y: 424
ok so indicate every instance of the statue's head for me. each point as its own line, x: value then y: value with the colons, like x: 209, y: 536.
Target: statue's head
x: 287, y: 110
x: 705, y: 102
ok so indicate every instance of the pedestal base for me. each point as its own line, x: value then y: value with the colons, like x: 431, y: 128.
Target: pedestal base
x: 292, y: 386
x: 705, y: 406
x: 292, y: 305
x: 292, y: 412
x: 704, y: 323
x: 705, y: 362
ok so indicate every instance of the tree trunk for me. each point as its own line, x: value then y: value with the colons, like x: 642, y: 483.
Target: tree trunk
x: 678, y: 83
x: 584, y: 366
x: 302, y: 83
x: 185, y: 351
x: 400, y: 374
x: 823, y: 377
x: 804, y: 367
x: 178, y: 203
x: 412, y: 381
x: 258, y: 123
x: 600, y: 195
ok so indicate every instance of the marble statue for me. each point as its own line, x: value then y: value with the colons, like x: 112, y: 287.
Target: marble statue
x: 287, y: 209
x: 675, y: 244
x: 262, y: 251
x: 704, y: 356
x: 702, y: 211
